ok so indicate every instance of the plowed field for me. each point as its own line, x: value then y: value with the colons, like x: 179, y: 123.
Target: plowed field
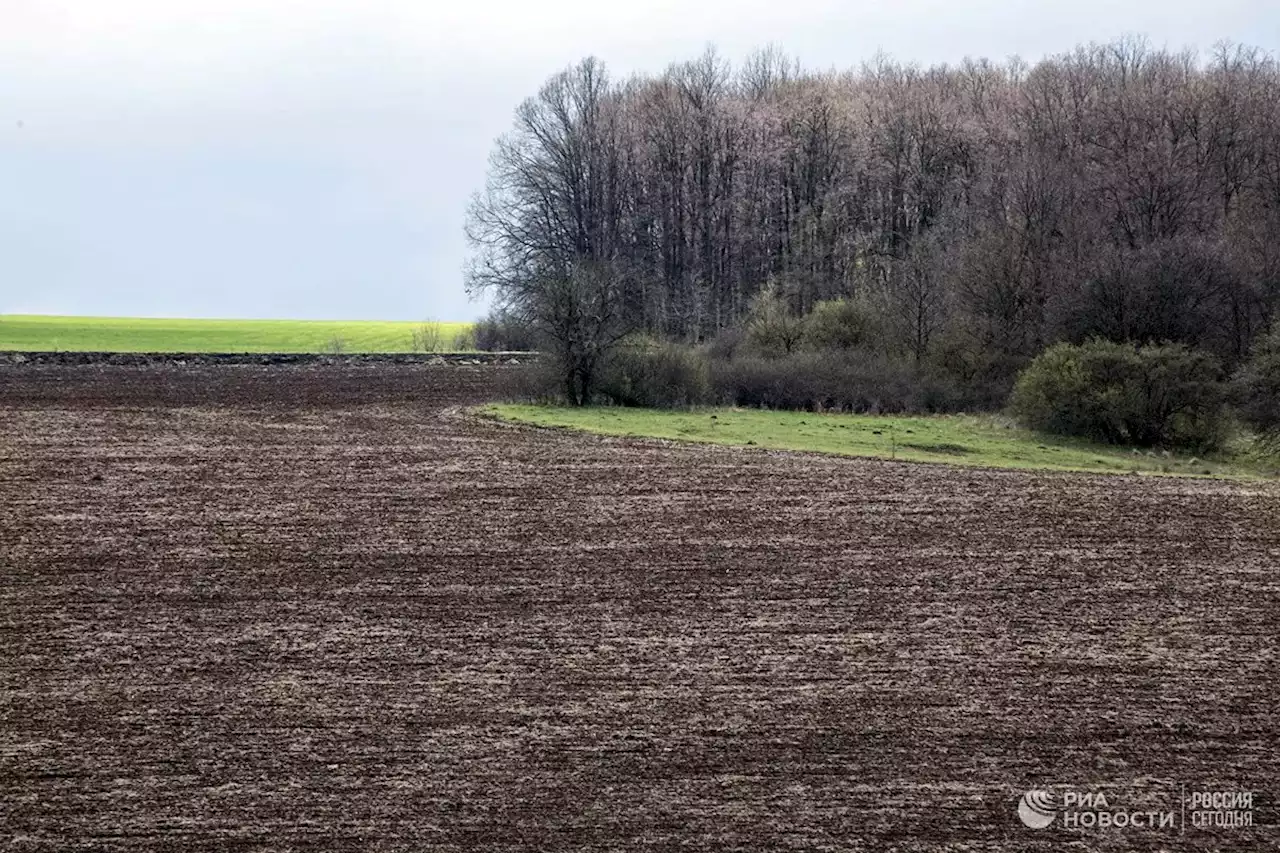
x: 325, y: 608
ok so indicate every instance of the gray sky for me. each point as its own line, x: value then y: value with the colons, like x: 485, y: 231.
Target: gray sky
x: 314, y: 158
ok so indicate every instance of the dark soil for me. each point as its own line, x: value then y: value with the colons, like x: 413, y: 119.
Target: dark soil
x: 321, y: 607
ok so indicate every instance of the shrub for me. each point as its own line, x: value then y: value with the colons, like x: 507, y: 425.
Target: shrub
x: 831, y: 381
x: 428, y: 336
x: 501, y: 331
x: 1257, y: 389
x: 772, y: 329
x: 642, y: 372
x: 967, y: 362
x: 727, y: 343
x: 1159, y: 395
x: 938, y: 393
x: 463, y: 340
x: 841, y: 324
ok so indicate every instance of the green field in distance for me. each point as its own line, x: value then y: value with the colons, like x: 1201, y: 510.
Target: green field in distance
x: 31, y: 332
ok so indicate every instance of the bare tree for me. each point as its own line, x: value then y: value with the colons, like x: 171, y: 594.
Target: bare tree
x: 581, y: 315
x: 547, y: 230
x: 428, y: 336
x: 917, y: 294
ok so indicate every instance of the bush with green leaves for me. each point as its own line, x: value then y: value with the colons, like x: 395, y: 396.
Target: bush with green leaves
x: 842, y: 324
x: 1153, y: 396
x: 645, y: 372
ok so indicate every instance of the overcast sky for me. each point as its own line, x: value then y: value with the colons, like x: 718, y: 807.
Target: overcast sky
x: 314, y: 158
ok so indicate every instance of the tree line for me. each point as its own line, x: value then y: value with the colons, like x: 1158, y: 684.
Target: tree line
x: 982, y: 212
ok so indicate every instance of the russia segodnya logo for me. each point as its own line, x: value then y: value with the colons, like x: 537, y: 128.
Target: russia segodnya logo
x: 1037, y: 809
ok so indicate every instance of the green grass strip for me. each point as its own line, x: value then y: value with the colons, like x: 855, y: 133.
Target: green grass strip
x: 974, y: 440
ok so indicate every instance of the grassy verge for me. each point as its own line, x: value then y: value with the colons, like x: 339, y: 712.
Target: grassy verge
x: 985, y: 441
x: 134, y: 334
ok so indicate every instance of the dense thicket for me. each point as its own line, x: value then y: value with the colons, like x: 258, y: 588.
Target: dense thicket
x: 979, y: 212
x: 1157, y: 395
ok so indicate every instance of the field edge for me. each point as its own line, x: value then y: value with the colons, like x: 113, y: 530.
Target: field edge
x: 1028, y: 448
